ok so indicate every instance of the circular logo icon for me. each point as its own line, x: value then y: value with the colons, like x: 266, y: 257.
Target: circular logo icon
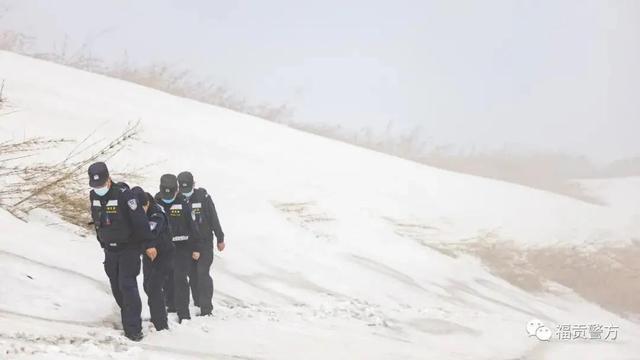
x: 532, y: 326
x: 543, y: 333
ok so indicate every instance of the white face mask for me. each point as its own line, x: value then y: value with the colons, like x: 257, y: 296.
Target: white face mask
x: 101, y: 191
x: 188, y: 194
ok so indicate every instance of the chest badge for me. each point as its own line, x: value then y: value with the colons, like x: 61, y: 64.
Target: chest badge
x: 133, y: 204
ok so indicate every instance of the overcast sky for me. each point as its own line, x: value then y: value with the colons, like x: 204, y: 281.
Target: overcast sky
x: 554, y: 74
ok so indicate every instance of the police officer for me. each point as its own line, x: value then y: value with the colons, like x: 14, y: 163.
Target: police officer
x: 157, y: 260
x: 120, y: 225
x: 206, y: 219
x: 185, y: 237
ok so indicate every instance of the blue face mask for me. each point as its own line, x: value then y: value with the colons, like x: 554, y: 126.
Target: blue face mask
x: 188, y: 194
x: 101, y: 191
x: 168, y: 201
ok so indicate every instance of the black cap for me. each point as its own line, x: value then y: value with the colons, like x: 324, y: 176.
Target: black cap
x: 98, y: 174
x: 168, y: 186
x: 140, y: 195
x: 185, y: 181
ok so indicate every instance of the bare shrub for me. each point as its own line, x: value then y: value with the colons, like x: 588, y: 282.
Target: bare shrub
x: 14, y: 41
x: 2, y: 98
x: 577, y: 268
x: 550, y: 171
x: 623, y: 167
x: 164, y: 78
x: 58, y: 187
x: 184, y: 83
x: 158, y: 76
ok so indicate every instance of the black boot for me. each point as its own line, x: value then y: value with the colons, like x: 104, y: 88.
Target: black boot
x: 135, y: 337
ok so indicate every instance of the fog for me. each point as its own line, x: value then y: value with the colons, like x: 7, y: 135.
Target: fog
x: 541, y: 75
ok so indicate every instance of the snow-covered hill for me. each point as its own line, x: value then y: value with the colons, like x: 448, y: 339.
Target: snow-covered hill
x: 332, y: 249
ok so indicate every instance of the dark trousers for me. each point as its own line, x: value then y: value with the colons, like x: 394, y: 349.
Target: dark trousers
x: 200, y: 279
x: 122, y: 268
x: 181, y: 267
x: 168, y: 287
x: 193, y: 282
x: 155, y: 275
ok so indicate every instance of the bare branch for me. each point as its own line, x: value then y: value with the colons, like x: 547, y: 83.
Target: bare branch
x: 2, y: 99
x: 28, y: 187
x: 108, y: 151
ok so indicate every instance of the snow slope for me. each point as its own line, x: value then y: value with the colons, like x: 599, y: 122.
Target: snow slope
x: 621, y: 193
x: 318, y: 264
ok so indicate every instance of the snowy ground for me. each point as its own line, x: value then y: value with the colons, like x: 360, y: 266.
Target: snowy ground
x: 333, y: 251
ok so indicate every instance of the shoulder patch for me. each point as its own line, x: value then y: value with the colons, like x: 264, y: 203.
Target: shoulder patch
x: 133, y: 204
x: 153, y: 225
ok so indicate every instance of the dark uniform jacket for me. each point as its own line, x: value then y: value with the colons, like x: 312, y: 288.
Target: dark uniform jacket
x: 206, y: 216
x: 159, y: 227
x: 181, y: 222
x: 118, y: 218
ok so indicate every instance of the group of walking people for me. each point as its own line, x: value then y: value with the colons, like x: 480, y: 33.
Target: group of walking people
x: 173, y: 232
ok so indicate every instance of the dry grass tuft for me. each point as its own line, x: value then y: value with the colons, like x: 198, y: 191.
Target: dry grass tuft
x: 58, y: 187
x: 582, y: 270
